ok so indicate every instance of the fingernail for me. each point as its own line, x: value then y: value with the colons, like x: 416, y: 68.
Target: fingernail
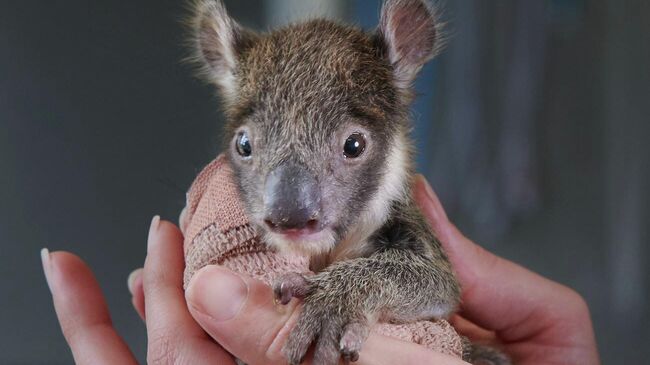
x: 182, y: 220
x: 131, y: 279
x: 217, y: 293
x: 427, y: 187
x: 433, y: 198
x: 47, y: 266
x: 155, y: 223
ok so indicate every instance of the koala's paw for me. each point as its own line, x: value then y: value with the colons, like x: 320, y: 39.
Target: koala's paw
x: 289, y: 286
x: 337, y: 330
x: 477, y: 354
x: 354, y: 336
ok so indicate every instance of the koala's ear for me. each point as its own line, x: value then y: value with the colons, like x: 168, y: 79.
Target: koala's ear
x: 220, y: 43
x: 408, y: 32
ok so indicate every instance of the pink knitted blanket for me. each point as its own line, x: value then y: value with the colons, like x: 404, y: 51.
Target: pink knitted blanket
x: 217, y: 232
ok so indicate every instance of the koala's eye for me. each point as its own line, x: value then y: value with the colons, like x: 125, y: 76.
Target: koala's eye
x: 354, y: 145
x: 243, y: 145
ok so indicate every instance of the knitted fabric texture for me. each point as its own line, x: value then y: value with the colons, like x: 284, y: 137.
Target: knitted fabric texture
x: 217, y: 232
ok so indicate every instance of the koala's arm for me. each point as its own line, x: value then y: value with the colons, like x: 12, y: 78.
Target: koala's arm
x: 407, y: 278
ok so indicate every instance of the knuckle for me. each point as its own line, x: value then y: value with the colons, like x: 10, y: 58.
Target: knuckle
x: 75, y: 333
x: 154, y: 276
x: 161, y: 350
x: 577, y: 303
x: 569, y: 307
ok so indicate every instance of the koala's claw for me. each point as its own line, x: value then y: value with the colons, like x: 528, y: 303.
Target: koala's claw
x: 349, y: 355
x: 336, y: 335
x: 354, y: 337
x: 289, y: 286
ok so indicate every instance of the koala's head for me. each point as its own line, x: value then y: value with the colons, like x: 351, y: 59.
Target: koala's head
x: 317, y: 118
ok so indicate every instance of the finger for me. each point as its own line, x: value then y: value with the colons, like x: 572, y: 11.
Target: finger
x: 472, y: 331
x: 498, y: 294
x: 380, y: 350
x: 173, y: 334
x: 165, y: 308
x: 240, y: 313
x: 82, y: 311
x: 134, y: 283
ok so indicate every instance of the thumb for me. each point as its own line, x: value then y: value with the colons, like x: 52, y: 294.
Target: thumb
x: 240, y: 313
x: 498, y: 294
x: 242, y: 316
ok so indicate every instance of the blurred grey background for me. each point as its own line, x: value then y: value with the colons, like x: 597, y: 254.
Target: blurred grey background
x: 533, y: 127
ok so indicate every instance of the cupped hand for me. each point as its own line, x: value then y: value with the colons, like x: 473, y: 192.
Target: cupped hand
x: 535, y: 320
x: 236, y: 311
x: 173, y: 336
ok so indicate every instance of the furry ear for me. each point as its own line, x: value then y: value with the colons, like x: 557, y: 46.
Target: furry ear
x: 220, y: 43
x: 409, y: 33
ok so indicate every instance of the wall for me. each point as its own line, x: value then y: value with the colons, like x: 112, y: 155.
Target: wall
x: 532, y: 127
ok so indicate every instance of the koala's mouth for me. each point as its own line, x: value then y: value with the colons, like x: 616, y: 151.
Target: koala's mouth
x: 303, y: 240
x: 299, y: 234
x: 311, y: 232
x: 312, y: 227
x: 297, y: 229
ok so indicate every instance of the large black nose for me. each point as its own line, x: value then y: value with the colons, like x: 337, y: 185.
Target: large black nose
x: 292, y: 199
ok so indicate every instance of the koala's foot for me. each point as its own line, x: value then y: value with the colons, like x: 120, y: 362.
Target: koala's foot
x: 289, y: 286
x: 354, y: 337
x: 336, y: 327
x: 336, y: 332
x: 477, y: 354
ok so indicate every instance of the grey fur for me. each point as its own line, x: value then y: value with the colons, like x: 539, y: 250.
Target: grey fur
x: 298, y: 93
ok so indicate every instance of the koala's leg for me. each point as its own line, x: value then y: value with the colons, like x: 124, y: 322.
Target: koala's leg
x: 477, y: 354
x: 288, y: 286
x: 345, y: 300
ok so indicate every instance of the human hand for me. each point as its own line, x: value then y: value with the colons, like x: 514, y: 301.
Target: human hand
x: 174, y: 337
x: 241, y: 315
x: 535, y: 320
x: 254, y: 330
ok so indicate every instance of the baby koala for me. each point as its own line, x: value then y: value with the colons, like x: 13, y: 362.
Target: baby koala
x: 318, y: 137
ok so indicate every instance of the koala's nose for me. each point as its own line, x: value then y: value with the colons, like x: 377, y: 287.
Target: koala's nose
x: 292, y: 199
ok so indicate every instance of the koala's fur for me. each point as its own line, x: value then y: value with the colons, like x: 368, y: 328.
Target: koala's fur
x: 299, y: 91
